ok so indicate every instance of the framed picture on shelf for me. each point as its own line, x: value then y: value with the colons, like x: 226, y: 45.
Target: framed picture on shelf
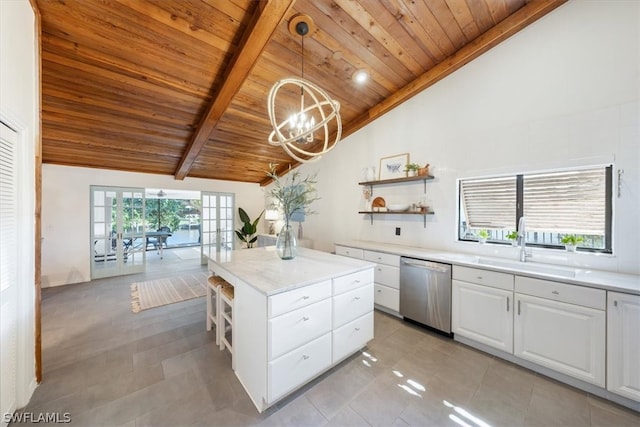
x: 393, y: 166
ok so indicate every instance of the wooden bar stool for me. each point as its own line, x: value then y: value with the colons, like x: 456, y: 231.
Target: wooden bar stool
x: 214, y: 284
x: 225, y: 320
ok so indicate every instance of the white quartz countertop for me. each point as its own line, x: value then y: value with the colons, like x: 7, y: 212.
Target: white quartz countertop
x: 262, y: 269
x: 599, y: 279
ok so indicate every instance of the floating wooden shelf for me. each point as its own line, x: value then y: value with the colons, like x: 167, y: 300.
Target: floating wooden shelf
x: 424, y: 214
x: 395, y: 213
x: 398, y: 180
x: 403, y: 180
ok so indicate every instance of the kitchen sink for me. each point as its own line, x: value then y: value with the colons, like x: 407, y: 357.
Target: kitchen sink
x: 528, y: 267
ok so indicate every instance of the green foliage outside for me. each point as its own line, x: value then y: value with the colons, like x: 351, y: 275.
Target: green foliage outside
x: 158, y: 213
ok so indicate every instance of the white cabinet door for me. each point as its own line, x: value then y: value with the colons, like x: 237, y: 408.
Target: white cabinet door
x: 293, y: 369
x: 387, y: 275
x: 351, y: 305
x: 350, y: 252
x: 565, y: 337
x: 623, y: 344
x: 386, y: 297
x: 483, y: 314
x: 297, y: 327
x: 352, y: 336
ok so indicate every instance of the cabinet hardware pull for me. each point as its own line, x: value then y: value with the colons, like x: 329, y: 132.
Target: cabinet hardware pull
x: 357, y: 329
x: 357, y: 298
x: 479, y: 277
x: 305, y: 297
x: 379, y: 290
x: 357, y: 281
x: 615, y: 303
x: 305, y: 357
x: 305, y: 318
x: 555, y: 293
x: 507, y: 304
x: 518, y: 307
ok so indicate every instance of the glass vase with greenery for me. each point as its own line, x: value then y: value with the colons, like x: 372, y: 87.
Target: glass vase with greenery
x: 293, y: 194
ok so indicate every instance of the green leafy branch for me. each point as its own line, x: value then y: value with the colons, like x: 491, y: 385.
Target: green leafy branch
x: 294, y: 193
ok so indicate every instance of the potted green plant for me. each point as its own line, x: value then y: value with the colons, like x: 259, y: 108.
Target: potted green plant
x: 483, y: 235
x: 570, y: 242
x: 512, y: 237
x: 412, y: 169
x: 249, y: 228
x: 294, y: 195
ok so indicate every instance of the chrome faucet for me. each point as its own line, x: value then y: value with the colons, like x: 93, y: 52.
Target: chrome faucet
x: 522, y: 233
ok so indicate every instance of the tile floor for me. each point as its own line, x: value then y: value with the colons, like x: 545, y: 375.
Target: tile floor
x: 106, y: 366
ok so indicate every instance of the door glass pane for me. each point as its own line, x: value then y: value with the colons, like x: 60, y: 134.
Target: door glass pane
x: 98, y: 214
x: 98, y: 198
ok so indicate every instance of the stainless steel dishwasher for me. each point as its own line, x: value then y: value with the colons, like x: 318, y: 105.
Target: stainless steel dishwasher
x: 425, y: 293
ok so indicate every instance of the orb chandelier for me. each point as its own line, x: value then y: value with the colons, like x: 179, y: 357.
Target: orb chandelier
x: 305, y: 134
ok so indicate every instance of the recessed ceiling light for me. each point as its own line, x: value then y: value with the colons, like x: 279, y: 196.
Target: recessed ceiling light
x: 360, y: 76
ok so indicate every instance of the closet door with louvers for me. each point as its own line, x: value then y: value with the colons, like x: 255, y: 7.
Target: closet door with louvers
x: 8, y: 269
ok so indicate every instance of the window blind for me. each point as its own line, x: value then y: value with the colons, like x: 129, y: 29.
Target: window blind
x: 490, y: 202
x: 566, y: 202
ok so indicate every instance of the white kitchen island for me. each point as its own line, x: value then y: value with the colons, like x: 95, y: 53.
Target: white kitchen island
x: 294, y: 319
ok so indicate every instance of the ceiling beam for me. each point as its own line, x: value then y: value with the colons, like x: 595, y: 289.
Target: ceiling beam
x: 266, y: 18
x: 524, y: 16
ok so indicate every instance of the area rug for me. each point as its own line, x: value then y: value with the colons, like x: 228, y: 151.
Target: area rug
x: 159, y: 292
x: 187, y: 253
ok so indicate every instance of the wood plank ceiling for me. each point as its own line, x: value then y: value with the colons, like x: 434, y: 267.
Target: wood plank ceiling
x: 179, y: 87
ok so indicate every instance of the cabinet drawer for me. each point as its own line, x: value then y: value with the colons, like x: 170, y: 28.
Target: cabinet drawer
x: 351, y: 281
x: 350, y: 252
x: 297, y: 298
x: 483, y: 277
x: 351, y: 305
x: 352, y: 336
x: 386, y: 297
x: 381, y: 258
x: 295, y: 368
x: 295, y: 328
x: 387, y: 275
x: 572, y: 294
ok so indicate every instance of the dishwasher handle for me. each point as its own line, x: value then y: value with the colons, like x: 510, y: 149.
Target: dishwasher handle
x: 426, y: 265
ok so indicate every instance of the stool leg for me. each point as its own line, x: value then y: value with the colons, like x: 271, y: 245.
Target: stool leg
x: 209, y: 322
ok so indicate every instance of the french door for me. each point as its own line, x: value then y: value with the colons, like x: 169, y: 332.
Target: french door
x: 118, y: 244
x: 217, y: 223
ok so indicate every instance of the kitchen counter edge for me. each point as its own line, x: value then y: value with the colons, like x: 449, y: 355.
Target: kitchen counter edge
x: 599, y: 279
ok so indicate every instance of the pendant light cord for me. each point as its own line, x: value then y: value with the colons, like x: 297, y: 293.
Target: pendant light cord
x: 301, y: 89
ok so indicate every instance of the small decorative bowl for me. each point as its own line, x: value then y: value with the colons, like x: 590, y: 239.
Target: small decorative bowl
x: 398, y: 207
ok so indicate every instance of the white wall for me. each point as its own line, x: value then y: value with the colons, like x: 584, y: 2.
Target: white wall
x: 564, y: 91
x: 19, y: 109
x: 66, y: 248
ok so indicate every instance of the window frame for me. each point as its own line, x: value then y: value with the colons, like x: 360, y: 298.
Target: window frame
x: 608, y: 226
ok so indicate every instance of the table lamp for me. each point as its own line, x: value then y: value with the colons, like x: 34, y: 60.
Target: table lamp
x: 272, y: 216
